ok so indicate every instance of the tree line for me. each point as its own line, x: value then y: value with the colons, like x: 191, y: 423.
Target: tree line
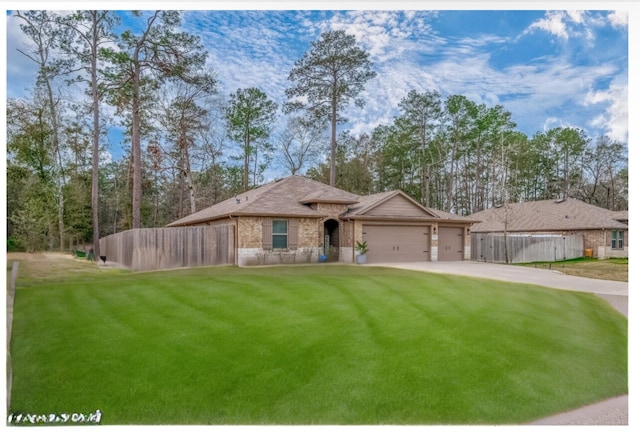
x: 186, y: 146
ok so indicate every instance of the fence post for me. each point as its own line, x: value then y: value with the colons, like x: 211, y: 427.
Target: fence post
x: 10, y: 297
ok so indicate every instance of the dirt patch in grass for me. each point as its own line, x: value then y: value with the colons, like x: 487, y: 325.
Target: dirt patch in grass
x: 41, y: 267
x: 616, y: 269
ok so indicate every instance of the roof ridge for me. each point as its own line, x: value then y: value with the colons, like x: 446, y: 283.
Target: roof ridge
x: 546, y: 215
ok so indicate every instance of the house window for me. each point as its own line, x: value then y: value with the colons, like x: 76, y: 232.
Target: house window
x: 617, y: 240
x: 279, y: 234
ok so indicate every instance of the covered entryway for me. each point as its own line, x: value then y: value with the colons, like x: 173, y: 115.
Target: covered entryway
x: 396, y: 243
x: 332, y: 240
x: 450, y: 244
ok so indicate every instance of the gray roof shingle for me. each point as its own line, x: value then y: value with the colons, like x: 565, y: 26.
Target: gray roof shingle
x: 285, y: 197
x: 289, y: 197
x: 547, y: 215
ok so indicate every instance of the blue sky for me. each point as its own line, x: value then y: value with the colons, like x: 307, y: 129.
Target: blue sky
x: 547, y: 67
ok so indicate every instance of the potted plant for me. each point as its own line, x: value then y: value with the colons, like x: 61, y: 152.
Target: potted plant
x: 322, y: 254
x: 361, y: 247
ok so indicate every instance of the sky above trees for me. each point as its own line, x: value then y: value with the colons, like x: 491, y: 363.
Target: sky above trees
x: 534, y: 105
x: 548, y: 68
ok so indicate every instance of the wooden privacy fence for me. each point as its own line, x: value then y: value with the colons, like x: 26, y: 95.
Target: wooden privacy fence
x: 526, y: 247
x: 165, y: 248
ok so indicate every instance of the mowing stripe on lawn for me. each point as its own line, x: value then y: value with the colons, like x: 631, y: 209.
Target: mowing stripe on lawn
x: 302, y: 345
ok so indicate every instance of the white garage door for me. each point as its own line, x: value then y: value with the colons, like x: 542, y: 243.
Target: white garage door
x: 396, y: 243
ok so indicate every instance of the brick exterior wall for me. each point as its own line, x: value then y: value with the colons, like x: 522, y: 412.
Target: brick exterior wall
x: 310, y: 238
x: 251, y: 252
x: 599, y: 241
x: 250, y: 232
x: 594, y: 239
x: 332, y: 210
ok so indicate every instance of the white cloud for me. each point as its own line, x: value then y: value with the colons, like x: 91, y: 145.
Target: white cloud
x: 259, y: 49
x: 573, y: 24
x: 551, y: 122
x: 247, y: 53
x: 576, y: 16
x: 382, y: 34
x: 615, y: 118
x: 553, y: 22
x: 542, y: 91
x: 619, y: 18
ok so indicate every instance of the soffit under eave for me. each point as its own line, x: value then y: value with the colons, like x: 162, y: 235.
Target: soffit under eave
x: 314, y: 215
x: 429, y: 220
x: 328, y: 201
x: 200, y: 220
x: 283, y: 215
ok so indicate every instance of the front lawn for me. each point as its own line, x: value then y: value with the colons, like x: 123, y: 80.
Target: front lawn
x: 322, y: 344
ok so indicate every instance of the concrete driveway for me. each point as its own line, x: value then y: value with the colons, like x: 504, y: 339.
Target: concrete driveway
x: 616, y: 293
x: 613, y: 411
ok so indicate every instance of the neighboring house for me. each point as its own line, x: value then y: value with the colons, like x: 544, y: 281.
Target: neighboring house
x: 296, y: 219
x: 602, y: 233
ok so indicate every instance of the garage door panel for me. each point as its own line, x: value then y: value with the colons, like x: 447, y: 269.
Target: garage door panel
x: 396, y: 243
x: 450, y: 244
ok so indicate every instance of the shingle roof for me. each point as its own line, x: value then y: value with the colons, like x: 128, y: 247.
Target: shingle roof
x: 622, y: 215
x: 453, y: 217
x: 286, y: 197
x: 333, y: 196
x: 547, y: 215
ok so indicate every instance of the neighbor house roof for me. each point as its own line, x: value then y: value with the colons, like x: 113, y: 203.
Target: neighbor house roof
x: 453, y: 217
x: 548, y: 215
x: 622, y: 216
x: 286, y: 197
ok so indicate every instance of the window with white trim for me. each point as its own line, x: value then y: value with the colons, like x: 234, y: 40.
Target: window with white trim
x: 279, y: 234
x: 617, y: 239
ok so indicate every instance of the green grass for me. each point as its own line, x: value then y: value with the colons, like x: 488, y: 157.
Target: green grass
x: 311, y: 345
x: 616, y: 269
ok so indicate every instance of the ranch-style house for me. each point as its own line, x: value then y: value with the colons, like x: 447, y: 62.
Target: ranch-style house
x: 298, y: 220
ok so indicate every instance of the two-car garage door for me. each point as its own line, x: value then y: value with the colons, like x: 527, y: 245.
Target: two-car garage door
x: 396, y: 243
x: 410, y: 243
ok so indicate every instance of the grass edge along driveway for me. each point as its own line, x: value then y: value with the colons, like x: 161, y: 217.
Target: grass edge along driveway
x: 311, y: 345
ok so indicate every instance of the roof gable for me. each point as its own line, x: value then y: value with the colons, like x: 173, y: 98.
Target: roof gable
x: 547, y: 215
x: 286, y: 197
x: 389, y: 205
x: 396, y: 203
